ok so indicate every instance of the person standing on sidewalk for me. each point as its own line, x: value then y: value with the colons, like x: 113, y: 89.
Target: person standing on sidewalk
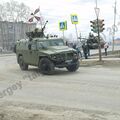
x: 85, y: 50
x: 106, y: 47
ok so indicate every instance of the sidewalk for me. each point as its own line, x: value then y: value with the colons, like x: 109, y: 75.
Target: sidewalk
x: 6, y: 54
x: 106, y: 60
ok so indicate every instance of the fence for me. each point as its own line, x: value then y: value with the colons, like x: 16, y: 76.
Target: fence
x: 10, y: 32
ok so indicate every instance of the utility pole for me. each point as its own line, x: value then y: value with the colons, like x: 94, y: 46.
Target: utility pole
x: 76, y: 32
x: 97, y: 10
x: 113, y: 35
x: 96, y: 3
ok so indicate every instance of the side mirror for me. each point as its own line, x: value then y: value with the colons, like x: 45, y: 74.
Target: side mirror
x: 29, y: 47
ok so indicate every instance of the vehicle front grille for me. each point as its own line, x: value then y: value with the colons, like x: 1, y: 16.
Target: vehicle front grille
x: 60, y: 57
x: 69, y: 56
x: 64, y: 56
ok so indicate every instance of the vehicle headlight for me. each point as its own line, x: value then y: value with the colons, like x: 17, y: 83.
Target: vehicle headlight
x: 75, y: 55
x: 53, y: 56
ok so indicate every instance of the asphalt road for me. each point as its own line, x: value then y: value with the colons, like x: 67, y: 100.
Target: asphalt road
x: 90, y: 88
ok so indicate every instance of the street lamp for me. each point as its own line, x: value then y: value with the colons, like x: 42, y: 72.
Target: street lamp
x: 97, y: 11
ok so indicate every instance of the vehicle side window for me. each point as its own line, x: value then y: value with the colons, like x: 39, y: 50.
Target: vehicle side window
x: 33, y: 46
x: 39, y: 45
x: 57, y: 43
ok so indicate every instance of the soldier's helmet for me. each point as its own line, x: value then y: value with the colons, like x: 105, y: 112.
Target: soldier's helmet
x: 36, y: 30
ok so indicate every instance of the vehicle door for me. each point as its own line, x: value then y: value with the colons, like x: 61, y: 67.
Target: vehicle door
x: 32, y: 53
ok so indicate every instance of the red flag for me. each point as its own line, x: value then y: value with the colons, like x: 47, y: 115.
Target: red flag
x: 36, y: 11
x: 31, y: 19
x: 37, y: 18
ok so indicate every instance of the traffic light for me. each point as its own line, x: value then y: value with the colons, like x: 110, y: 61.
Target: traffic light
x: 94, y: 26
x: 101, y: 25
x: 97, y: 24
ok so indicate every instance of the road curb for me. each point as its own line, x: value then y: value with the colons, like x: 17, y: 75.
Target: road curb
x: 105, y: 62
x: 4, y: 55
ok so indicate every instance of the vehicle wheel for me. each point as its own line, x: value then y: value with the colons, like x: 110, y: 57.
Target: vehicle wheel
x: 46, y: 66
x: 22, y: 65
x: 74, y: 67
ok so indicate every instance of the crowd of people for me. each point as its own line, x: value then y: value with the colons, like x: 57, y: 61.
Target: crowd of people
x: 84, y: 50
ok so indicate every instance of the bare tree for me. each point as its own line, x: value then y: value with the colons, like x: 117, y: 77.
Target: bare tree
x: 3, y: 16
x: 14, y: 11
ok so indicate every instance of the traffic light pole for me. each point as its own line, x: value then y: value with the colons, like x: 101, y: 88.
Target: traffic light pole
x: 99, y: 45
x: 97, y: 10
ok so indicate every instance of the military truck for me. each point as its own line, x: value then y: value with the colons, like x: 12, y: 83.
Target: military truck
x: 46, y: 53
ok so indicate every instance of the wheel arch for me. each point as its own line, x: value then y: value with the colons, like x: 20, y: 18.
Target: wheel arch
x: 41, y: 57
x: 18, y: 57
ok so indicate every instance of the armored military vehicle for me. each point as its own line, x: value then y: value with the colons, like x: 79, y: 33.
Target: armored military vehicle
x: 92, y: 41
x: 46, y: 53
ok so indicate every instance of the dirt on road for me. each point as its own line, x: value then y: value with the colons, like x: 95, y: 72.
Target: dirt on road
x: 25, y: 111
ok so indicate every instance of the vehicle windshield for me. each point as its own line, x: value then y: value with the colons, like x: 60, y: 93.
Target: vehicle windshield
x: 48, y: 43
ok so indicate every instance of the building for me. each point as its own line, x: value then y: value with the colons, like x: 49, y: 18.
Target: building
x: 117, y: 41
x: 10, y: 32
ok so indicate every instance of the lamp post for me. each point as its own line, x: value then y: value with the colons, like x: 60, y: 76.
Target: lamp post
x: 97, y: 11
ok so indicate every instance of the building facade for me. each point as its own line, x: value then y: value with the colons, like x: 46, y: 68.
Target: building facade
x: 117, y: 41
x: 10, y: 32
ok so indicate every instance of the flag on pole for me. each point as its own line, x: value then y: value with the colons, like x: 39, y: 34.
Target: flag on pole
x: 36, y: 11
x: 37, y: 18
x: 31, y: 19
x: 34, y: 16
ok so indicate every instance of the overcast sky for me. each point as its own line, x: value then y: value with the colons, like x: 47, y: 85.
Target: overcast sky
x: 60, y: 10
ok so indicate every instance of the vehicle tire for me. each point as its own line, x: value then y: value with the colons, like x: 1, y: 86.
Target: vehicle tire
x: 22, y: 65
x: 74, y: 67
x: 46, y: 66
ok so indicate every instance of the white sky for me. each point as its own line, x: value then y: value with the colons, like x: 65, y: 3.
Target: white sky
x: 60, y: 10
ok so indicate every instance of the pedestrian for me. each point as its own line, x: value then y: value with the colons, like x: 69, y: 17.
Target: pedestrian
x: 74, y: 46
x: 85, y: 50
x: 78, y: 50
x: 88, y: 47
x: 105, y: 48
x: 66, y: 43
